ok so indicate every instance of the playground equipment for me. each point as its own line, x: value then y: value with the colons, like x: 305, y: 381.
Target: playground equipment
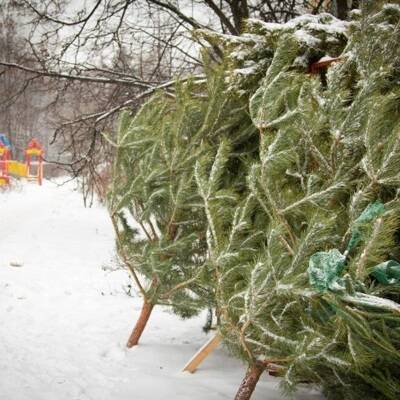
x: 31, y: 168
x: 34, y: 160
x: 4, y: 156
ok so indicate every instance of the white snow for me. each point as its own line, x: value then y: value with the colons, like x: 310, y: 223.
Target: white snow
x: 65, y: 316
x: 304, y: 37
x: 251, y: 70
x: 307, y: 21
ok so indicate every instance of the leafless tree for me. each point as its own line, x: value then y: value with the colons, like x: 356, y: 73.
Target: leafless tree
x: 21, y: 100
x: 100, y: 56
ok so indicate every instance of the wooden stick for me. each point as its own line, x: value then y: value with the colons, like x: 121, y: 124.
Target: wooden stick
x: 203, y: 352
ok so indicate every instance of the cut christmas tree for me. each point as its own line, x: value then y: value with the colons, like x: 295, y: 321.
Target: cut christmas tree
x: 308, y: 276
x: 271, y: 193
x: 154, y: 186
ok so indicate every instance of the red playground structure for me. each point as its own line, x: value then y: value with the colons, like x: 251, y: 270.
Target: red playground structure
x: 34, y: 161
x: 4, y: 158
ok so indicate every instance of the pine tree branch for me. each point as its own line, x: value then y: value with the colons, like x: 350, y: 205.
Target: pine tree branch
x: 131, y: 269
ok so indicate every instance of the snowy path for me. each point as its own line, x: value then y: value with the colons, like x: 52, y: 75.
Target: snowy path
x: 64, y: 315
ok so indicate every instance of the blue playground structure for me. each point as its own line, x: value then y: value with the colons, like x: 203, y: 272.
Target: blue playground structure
x: 4, y: 140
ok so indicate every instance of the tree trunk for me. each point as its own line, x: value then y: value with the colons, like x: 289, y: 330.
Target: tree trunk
x: 340, y: 9
x: 249, y: 382
x: 140, y: 324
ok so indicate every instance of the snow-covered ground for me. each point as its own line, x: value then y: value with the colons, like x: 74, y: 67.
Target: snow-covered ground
x: 65, y: 315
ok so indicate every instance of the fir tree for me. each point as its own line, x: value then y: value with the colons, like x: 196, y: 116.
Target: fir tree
x: 154, y: 185
x: 291, y: 232
x: 298, y: 273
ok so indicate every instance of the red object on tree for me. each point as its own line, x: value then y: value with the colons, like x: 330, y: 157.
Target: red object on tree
x: 323, y: 63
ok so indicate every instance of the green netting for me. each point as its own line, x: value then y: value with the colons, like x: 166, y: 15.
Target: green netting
x: 326, y: 266
x: 322, y: 310
x: 324, y: 269
x: 372, y: 211
x: 387, y: 273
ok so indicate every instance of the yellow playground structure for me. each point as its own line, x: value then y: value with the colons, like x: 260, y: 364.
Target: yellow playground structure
x: 31, y: 168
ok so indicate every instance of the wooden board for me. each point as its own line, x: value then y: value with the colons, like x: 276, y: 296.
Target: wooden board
x: 203, y: 352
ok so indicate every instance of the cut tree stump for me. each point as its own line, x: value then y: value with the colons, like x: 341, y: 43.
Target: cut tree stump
x: 204, y: 351
x: 249, y: 382
x: 140, y: 324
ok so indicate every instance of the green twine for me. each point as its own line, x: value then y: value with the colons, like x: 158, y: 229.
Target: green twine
x: 371, y: 212
x: 387, y: 273
x: 325, y: 267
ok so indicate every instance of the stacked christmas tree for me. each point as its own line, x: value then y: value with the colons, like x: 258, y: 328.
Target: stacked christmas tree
x: 293, y: 227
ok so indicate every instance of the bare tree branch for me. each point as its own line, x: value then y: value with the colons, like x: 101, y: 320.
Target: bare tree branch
x: 60, y: 75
